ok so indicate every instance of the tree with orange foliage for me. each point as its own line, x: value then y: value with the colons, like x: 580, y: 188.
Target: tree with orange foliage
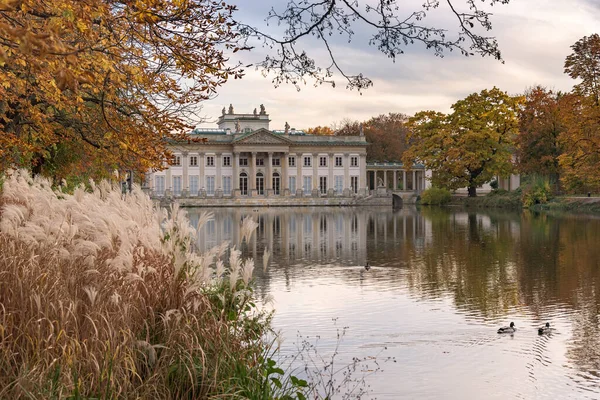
x: 581, y: 140
x: 106, y: 81
x: 321, y: 131
x: 540, y: 125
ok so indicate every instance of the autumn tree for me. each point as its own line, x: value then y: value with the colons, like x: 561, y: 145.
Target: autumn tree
x: 540, y: 125
x: 109, y: 81
x: 394, y: 28
x: 580, y: 160
x: 468, y: 147
x: 321, y: 131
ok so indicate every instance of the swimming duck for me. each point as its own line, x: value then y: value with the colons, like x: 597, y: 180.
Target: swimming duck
x: 367, y: 267
x: 545, y: 329
x: 508, y: 329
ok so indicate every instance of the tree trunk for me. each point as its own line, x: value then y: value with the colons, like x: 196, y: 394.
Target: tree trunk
x: 472, y: 191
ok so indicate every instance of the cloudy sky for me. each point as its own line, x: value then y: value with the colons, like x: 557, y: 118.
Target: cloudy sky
x: 534, y: 35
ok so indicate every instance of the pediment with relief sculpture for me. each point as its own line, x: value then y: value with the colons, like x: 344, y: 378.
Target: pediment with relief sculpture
x: 262, y: 136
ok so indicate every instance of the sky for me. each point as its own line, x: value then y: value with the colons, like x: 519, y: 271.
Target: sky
x: 534, y: 36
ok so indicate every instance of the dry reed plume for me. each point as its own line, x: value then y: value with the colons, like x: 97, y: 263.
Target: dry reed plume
x: 103, y: 296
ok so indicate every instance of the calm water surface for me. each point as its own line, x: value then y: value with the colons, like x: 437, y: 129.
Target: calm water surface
x: 441, y: 284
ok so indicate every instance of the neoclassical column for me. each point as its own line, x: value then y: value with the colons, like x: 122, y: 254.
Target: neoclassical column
x: 185, y: 161
x: 346, y: 170
x: 269, y: 183
x: 285, y: 185
x: 235, y: 178
x: 315, y: 160
x: 219, y: 182
x: 299, y: 177
x: 201, y: 164
x: 169, y: 181
x: 363, y: 171
x: 414, y: 182
x: 385, y: 178
x: 330, y: 179
x: 252, y: 161
x: 395, y: 185
x: 404, y: 186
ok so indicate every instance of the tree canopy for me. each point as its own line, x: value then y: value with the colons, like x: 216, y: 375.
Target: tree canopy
x: 540, y: 126
x: 469, y: 146
x: 108, y: 81
x: 580, y: 159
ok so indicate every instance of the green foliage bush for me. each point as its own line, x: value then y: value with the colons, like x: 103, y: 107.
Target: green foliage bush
x: 435, y: 196
x: 538, y: 191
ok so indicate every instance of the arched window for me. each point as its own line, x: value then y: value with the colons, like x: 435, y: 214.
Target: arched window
x: 276, y: 184
x: 243, y: 184
x: 260, y: 184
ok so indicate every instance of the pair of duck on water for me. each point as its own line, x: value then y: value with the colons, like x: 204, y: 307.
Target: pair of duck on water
x: 512, y: 329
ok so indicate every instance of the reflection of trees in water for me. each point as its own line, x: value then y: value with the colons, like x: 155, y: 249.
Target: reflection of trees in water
x: 470, y: 256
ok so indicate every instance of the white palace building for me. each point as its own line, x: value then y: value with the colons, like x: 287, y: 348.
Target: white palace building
x: 243, y: 158
x: 244, y: 162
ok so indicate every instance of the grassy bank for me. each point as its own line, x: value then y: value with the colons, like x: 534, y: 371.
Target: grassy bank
x: 582, y: 205
x: 103, y: 296
x: 495, y: 199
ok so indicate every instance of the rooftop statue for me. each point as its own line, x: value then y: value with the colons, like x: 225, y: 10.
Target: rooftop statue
x: 255, y: 113
x: 223, y: 111
x: 230, y: 109
x: 262, y: 109
x: 287, y: 128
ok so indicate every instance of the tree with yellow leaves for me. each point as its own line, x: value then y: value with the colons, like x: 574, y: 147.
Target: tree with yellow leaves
x: 106, y: 82
x: 468, y: 147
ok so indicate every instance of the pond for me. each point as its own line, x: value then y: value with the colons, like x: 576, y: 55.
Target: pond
x: 441, y: 283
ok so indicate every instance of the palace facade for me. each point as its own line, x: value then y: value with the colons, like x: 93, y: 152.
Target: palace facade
x: 243, y: 157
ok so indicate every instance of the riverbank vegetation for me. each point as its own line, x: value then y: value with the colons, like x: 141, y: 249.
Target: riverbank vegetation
x: 103, y: 296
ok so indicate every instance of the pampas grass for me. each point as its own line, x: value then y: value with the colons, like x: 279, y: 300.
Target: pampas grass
x: 102, y: 295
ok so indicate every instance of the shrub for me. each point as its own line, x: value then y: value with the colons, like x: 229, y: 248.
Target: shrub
x: 537, y: 191
x: 103, y: 296
x: 435, y: 196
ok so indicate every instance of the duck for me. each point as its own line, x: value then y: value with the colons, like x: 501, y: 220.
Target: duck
x: 545, y: 329
x: 508, y: 329
x: 367, y: 267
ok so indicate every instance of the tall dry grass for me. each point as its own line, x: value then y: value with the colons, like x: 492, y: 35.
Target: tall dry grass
x: 103, y: 296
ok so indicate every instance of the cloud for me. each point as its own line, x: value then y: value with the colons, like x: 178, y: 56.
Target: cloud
x: 535, y: 37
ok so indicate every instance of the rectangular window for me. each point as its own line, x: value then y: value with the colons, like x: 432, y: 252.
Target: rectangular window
x: 227, y: 161
x: 177, y: 185
x: 292, y: 161
x: 193, y: 161
x: 159, y: 185
x: 276, y: 162
x: 307, y: 161
x: 292, y: 180
x: 177, y: 161
x: 323, y: 184
x: 210, y: 185
x: 354, y: 183
x: 210, y: 161
x: 194, y: 185
x: 322, y: 161
x: 338, y: 161
x: 354, y: 161
x: 243, y: 162
x: 338, y: 183
x: 227, y: 185
x: 260, y: 162
x: 307, y: 184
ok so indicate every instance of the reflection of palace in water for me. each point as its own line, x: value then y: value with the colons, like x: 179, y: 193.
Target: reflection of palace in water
x: 312, y: 234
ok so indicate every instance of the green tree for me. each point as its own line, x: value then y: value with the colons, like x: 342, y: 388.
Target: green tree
x: 468, y: 147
